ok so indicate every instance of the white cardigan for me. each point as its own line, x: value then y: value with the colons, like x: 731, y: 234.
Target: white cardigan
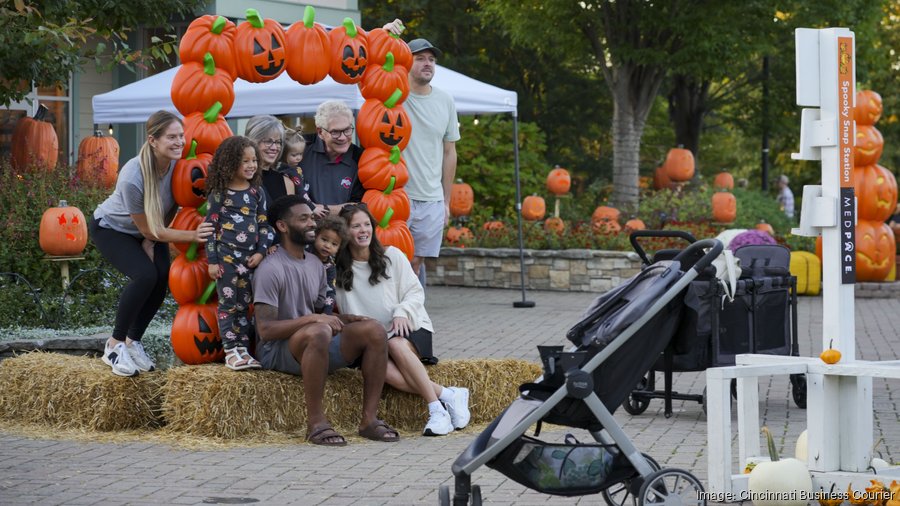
x: 400, y: 295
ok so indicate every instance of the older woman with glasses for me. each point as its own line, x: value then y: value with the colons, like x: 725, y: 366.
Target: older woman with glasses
x: 278, y: 179
x: 331, y: 160
x: 379, y: 283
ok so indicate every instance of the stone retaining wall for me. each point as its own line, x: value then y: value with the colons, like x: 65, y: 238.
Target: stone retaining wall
x: 576, y: 270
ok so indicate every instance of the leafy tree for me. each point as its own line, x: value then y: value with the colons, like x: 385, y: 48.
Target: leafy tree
x: 45, y: 41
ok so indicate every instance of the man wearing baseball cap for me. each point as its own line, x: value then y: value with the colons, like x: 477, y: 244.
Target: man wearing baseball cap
x: 430, y: 155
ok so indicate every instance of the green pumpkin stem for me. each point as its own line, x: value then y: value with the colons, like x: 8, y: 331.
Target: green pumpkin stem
x: 350, y: 26
x: 390, y: 186
x: 210, y: 288
x: 254, y: 19
x: 395, y: 155
x: 395, y: 96
x: 209, y: 65
x: 212, y: 113
x: 386, y: 219
x: 202, y: 209
x: 192, y: 153
x: 388, y: 62
x: 191, y: 253
x: 770, y: 441
x: 309, y: 16
x: 219, y: 25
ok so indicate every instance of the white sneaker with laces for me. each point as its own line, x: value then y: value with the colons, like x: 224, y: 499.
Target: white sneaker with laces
x: 139, y: 357
x: 118, y: 358
x: 439, y: 424
x: 458, y: 407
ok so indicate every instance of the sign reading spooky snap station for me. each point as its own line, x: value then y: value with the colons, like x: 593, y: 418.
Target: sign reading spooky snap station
x: 846, y: 137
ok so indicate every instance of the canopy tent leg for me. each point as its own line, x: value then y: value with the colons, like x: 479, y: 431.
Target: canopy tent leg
x: 524, y: 302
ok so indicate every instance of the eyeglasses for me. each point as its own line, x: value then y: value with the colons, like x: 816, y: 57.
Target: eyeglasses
x: 347, y: 132
x: 268, y: 143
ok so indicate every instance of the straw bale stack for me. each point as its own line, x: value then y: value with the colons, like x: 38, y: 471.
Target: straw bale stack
x: 77, y: 393
x: 210, y: 400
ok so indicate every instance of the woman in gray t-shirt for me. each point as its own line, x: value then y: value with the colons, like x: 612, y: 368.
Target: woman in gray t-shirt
x: 130, y: 230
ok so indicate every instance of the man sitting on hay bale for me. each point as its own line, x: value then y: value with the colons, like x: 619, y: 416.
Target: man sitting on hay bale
x: 288, y: 287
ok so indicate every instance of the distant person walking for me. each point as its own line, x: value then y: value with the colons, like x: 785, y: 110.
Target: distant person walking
x: 785, y: 196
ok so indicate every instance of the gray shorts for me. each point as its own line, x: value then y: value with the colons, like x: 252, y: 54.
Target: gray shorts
x: 426, y: 223
x: 277, y: 356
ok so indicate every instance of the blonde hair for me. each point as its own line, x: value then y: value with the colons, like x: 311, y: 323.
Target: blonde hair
x: 156, y: 127
x: 292, y: 138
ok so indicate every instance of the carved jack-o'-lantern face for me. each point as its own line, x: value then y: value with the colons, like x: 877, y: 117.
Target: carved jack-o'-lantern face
x: 259, y: 49
x: 63, y: 231
x: 875, y: 250
x: 268, y: 56
x: 195, y: 334
x: 189, y: 179
x: 383, y: 124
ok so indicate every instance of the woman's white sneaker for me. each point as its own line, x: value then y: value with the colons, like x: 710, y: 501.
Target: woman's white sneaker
x: 140, y: 357
x: 459, y: 407
x: 439, y: 424
x: 118, y: 358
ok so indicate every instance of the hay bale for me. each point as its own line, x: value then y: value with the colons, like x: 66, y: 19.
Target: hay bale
x: 210, y: 400
x: 72, y: 392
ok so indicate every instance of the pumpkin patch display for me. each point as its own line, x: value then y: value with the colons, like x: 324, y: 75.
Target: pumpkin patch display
x: 189, y: 178
x: 349, y: 53
x: 606, y: 227
x: 533, y: 208
x: 876, y: 192
x: 308, y: 59
x: 462, y: 199
x: 98, y: 159
x: 456, y: 236
x: 207, y: 128
x: 724, y: 207
x: 773, y: 483
x: 197, y: 86
x: 188, y: 276
x: 195, y: 331
x: 384, y: 124
x: 213, y: 35
x: 493, y: 226
x: 380, y: 81
x: 868, y: 107
x: 63, y: 231
x: 869, y: 145
x: 377, y: 167
x: 559, y: 181
x: 679, y: 164
x: 34, y: 142
x: 259, y: 49
x: 381, y: 42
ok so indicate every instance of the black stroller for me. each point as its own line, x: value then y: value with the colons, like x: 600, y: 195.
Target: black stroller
x: 619, y: 340
x: 759, y: 317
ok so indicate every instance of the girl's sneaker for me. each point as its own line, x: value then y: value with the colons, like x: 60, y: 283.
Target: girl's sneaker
x: 117, y: 357
x: 140, y: 357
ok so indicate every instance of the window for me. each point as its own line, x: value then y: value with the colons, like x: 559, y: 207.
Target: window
x: 58, y: 103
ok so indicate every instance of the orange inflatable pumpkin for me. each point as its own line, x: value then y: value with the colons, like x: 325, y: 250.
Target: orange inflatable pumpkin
x: 533, y: 208
x: 559, y: 181
x: 349, y: 50
x: 392, y: 203
x: 259, y: 48
x: 213, y: 35
x: 381, y: 42
x: 876, y: 250
x: 197, y: 86
x: 868, y: 107
x: 188, y: 276
x: 679, y: 164
x: 98, y: 159
x: 869, y: 144
x: 208, y: 128
x: 724, y: 207
x: 377, y: 167
x: 189, y: 178
x: 876, y: 192
x: 187, y: 218
x: 383, y: 124
x: 195, y: 331
x: 395, y: 233
x: 34, y: 142
x: 308, y: 59
x: 462, y: 199
x: 380, y: 81
x: 63, y: 231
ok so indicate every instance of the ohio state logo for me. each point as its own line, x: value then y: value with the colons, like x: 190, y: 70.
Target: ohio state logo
x: 345, y: 183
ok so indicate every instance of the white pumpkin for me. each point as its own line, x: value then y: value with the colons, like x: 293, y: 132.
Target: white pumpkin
x: 879, y: 464
x: 800, y: 452
x: 779, y: 482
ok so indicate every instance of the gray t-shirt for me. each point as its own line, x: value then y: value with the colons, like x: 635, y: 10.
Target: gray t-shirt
x: 296, y: 287
x: 433, y: 119
x: 128, y: 198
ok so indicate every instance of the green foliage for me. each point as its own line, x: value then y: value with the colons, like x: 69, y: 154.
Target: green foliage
x: 486, y: 162
x: 45, y: 42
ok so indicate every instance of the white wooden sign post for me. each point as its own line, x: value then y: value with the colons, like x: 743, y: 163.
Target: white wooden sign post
x: 839, y: 396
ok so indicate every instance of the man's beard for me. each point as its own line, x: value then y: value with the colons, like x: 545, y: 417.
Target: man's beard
x: 298, y: 236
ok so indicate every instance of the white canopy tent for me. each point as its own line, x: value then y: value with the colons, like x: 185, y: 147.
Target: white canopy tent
x: 135, y: 102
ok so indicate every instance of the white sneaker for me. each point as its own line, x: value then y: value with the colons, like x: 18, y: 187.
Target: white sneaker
x: 140, y: 358
x: 439, y: 424
x: 458, y: 407
x: 117, y: 357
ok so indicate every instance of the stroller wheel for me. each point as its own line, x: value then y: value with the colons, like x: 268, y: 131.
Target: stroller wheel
x: 672, y: 486
x: 622, y: 493
x: 444, y: 495
x: 636, y: 403
x: 476, y: 495
x: 798, y: 390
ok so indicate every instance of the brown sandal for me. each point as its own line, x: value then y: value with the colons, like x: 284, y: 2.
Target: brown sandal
x: 322, y: 435
x: 380, y: 431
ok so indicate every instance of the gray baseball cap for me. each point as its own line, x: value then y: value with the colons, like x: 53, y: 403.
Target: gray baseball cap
x: 418, y: 45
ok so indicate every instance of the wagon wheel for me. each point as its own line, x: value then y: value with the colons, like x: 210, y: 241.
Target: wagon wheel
x: 476, y: 495
x: 620, y: 493
x: 637, y: 404
x: 444, y: 495
x: 672, y: 487
x: 798, y: 390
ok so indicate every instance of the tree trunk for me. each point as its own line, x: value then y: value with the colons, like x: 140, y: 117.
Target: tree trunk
x: 687, y: 109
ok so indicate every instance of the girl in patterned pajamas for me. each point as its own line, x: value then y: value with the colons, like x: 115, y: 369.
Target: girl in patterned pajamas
x: 237, y: 210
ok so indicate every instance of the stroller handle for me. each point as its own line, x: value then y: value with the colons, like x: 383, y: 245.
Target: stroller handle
x: 637, y: 234
x: 715, y: 247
